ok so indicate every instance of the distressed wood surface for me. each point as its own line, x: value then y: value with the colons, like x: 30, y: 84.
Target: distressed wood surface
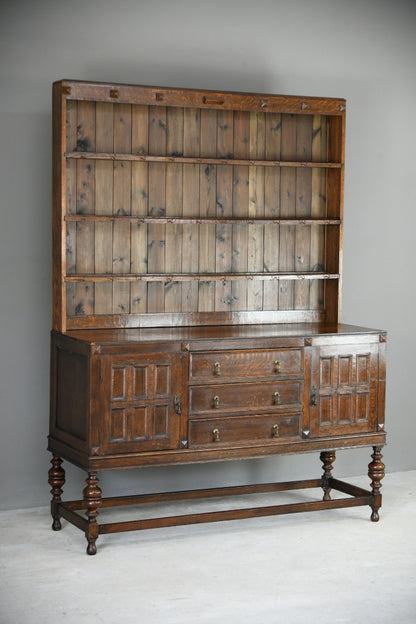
x: 85, y: 202
x: 139, y: 206
x: 104, y: 187
x: 287, y: 238
x: 122, y: 206
x: 174, y: 207
x: 157, y: 206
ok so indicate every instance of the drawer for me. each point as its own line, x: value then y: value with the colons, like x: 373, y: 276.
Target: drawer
x: 253, y: 396
x: 214, y: 365
x: 269, y: 428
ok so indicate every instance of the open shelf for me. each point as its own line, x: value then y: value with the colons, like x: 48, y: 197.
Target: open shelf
x: 167, y: 209
x: 200, y: 160
x: 197, y: 220
x: 193, y: 277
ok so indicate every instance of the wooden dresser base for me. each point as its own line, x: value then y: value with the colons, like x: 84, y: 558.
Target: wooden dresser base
x: 92, y: 500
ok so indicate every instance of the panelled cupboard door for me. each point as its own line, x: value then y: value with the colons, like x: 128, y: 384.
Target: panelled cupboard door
x: 344, y: 384
x: 141, y: 400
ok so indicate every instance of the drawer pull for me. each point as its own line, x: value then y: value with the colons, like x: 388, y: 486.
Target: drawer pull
x: 275, y: 431
x: 277, y: 365
x: 217, y: 369
x: 277, y: 398
x: 216, y: 434
x: 216, y: 402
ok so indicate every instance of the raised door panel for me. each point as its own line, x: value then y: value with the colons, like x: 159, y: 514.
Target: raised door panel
x: 344, y: 387
x: 138, y: 403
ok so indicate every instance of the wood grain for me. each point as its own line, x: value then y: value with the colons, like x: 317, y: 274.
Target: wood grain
x: 139, y: 205
x: 122, y: 206
x: 224, y: 202
x: 207, y: 208
x: 85, y: 189
x: 104, y: 184
x: 190, y: 253
x: 287, y: 207
x: 272, y: 208
x: 303, y: 209
x: 174, y: 207
x: 156, y: 241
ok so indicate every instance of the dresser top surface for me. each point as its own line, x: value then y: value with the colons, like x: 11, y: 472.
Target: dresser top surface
x: 240, y: 332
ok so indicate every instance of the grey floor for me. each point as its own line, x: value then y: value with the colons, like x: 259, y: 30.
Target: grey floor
x: 324, y: 567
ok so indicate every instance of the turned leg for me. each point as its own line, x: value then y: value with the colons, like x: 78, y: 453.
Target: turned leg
x: 376, y: 473
x: 327, y: 458
x: 56, y: 481
x: 92, y: 500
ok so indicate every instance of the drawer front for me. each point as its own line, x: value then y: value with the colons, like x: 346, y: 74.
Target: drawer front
x: 266, y: 429
x: 216, y: 365
x: 235, y: 397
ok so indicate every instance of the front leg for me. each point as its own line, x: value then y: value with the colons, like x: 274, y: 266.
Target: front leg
x: 376, y: 473
x: 92, y: 499
x: 327, y: 458
x: 56, y: 481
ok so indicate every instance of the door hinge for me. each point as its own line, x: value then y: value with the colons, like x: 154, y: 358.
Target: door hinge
x: 177, y: 404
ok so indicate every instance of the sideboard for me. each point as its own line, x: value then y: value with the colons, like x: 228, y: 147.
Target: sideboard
x: 197, y: 267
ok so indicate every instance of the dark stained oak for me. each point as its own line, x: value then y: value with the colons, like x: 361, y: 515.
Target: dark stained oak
x: 56, y: 481
x: 376, y: 474
x: 327, y: 459
x: 196, y: 282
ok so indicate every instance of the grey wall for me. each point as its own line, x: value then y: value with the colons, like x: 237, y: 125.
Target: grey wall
x: 359, y: 49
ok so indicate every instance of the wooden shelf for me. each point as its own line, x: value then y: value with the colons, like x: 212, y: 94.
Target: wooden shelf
x: 197, y: 220
x: 192, y: 277
x: 200, y: 160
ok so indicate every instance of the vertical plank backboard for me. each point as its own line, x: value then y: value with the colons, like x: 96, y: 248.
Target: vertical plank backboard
x: 272, y: 209
x: 174, y: 207
x: 122, y: 206
x: 104, y: 206
x: 224, y: 201
x: 287, y: 209
x: 207, y: 208
x: 139, y: 206
x: 318, y: 209
x: 239, y: 257
x: 190, y: 254
x: 334, y: 194
x: 255, y: 249
x: 156, y: 240
x: 71, y: 203
x: 84, y: 291
x: 303, y: 209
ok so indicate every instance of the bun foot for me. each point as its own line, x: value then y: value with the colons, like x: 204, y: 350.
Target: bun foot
x: 91, y: 548
x: 56, y: 524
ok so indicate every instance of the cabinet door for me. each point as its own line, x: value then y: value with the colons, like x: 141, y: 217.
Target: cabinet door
x: 343, y: 389
x: 142, y: 402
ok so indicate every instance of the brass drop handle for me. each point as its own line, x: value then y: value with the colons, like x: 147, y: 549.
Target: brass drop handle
x: 277, y: 398
x: 216, y: 434
x: 216, y: 401
x: 275, y: 431
x: 217, y: 369
x: 277, y: 365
